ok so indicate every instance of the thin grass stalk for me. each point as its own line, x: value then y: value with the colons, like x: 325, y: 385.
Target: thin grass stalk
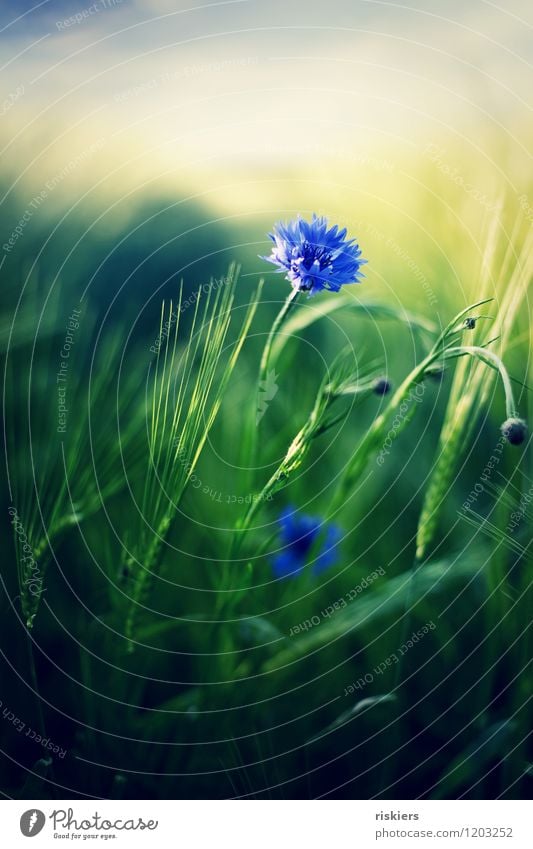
x: 182, y: 433
x: 444, y: 348
x: 336, y: 384
x: 470, y: 391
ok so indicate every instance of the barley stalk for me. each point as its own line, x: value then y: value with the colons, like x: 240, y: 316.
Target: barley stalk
x: 470, y: 390
x: 179, y: 428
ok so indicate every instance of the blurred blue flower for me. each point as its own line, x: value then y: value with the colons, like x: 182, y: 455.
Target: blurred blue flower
x: 298, y: 534
x: 313, y: 257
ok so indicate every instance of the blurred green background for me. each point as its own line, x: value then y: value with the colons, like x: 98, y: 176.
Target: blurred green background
x: 148, y: 146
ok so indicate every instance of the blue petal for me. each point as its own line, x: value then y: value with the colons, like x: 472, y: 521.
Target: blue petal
x: 285, y: 565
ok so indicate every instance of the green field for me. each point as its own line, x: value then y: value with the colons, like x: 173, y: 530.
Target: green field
x: 148, y: 647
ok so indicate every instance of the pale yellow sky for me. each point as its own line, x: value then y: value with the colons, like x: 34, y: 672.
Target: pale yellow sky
x: 190, y: 93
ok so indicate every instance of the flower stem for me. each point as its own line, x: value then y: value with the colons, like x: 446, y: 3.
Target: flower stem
x: 276, y: 327
x: 251, y: 449
x: 491, y: 359
x: 376, y: 432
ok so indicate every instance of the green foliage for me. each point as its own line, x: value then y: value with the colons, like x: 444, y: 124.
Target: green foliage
x: 472, y: 385
x: 186, y: 392
x: 174, y: 651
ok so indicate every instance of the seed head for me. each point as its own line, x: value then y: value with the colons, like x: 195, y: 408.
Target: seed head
x: 514, y: 430
x: 382, y: 386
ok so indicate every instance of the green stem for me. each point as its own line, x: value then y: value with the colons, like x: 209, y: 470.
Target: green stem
x: 376, y: 432
x: 35, y: 687
x: 251, y: 447
x: 274, y: 330
x: 378, y: 428
x: 250, y: 450
x: 243, y: 527
x: 491, y: 359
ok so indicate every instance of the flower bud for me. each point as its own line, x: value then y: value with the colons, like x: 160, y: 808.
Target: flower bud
x: 382, y: 386
x: 514, y: 430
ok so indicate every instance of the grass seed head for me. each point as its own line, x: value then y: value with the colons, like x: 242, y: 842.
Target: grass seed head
x: 514, y: 430
x: 382, y: 386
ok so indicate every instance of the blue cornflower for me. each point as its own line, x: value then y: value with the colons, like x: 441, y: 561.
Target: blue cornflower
x: 298, y: 533
x: 313, y: 257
